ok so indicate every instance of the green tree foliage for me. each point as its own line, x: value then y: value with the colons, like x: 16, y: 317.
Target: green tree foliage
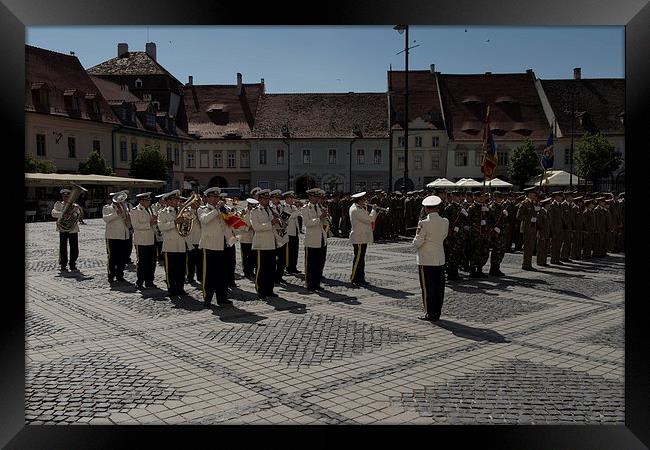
x: 35, y: 165
x: 95, y: 164
x: 524, y: 163
x: 595, y: 157
x: 149, y: 164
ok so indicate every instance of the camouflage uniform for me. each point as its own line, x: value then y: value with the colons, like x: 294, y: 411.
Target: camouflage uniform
x: 455, y: 242
x: 589, y: 227
x: 576, y: 247
x: 527, y: 215
x: 567, y: 225
x: 500, y: 219
x: 543, y: 234
x: 479, y: 217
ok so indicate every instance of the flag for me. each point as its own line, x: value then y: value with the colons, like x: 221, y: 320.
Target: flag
x: 489, y: 160
x: 547, y: 153
x: 233, y: 221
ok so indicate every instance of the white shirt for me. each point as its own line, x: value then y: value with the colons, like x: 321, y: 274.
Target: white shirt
x: 143, y: 231
x: 57, y: 212
x: 293, y: 228
x: 315, y: 234
x: 213, y: 228
x: 246, y: 233
x: 264, y: 237
x: 115, y: 226
x: 361, y: 223
x: 429, y: 238
x: 194, y: 237
x: 172, y: 241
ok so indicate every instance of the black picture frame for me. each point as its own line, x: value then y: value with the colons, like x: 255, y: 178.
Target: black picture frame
x: 16, y: 15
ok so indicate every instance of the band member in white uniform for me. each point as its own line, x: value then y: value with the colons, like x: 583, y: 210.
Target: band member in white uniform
x: 428, y: 241
x: 231, y: 249
x: 144, y: 228
x: 281, y: 238
x: 194, y: 258
x: 174, y: 245
x: 264, y: 244
x: 360, y: 236
x: 65, y: 235
x: 246, y: 240
x: 116, y: 216
x: 314, y: 216
x: 158, y: 240
x: 293, y: 232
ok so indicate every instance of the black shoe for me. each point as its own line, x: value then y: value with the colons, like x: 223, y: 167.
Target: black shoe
x: 319, y: 288
x: 73, y: 268
x: 182, y: 292
x: 63, y: 269
x: 111, y: 278
x: 473, y: 275
x: 139, y: 286
x: 261, y: 297
x: 482, y: 274
x: 233, y: 285
x: 364, y: 283
x: 224, y: 302
x: 425, y: 317
x: 150, y: 285
x: 280, y: 280
x: 189, y: 281
x: 120, y: 279
x: 273, y: 294
x: 207, y: 305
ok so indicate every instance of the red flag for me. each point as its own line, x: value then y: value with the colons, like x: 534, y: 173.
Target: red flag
x: 489, y: 160
x: 233, y: 221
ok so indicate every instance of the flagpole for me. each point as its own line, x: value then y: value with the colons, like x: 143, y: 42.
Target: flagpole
x: 485, y: 142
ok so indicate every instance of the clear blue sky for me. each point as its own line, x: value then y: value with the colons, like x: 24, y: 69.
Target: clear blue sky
x: 346, y: 58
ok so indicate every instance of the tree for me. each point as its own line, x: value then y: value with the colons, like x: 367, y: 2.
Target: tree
x: 149, y: 164
x: 34, y: 165
x: 95, y: 164
x: 524, y: 163
x: 595, y: 157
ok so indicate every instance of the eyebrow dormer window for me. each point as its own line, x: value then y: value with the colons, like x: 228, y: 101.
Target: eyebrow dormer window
x: 138, y: 83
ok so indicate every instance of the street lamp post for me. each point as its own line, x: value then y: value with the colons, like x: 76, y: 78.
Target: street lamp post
x: 287, y: 134
x: 405, y: 29
x: 573, y: 116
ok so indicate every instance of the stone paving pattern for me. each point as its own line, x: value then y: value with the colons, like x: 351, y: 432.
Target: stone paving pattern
x: 542, y: 347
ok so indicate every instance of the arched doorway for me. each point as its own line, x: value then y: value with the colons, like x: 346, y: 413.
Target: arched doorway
x: 399, y: 185
x: 218, y: 182
x: 304, y: 183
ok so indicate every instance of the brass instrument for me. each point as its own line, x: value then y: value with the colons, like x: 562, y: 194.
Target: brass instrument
x: 65, y: 225
x: 283, y: 218
x: 327, y: 223
x: 378, y: 208
x: 185, y: 228
x: 122, y: 209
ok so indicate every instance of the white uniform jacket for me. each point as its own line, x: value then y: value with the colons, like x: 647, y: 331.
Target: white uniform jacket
x: 143, y: 231
x: 194, y: 237
x: 57, y: 212
x: 115, y: 226
x: 279, y: 240
x: 361, y: 223
x: 213, y: 228
x: 172, y: 241
x: 430, y: 235
x: 314, y: 231
x: 264, y: 237
x: 292, y: 228
x: 246, y: 233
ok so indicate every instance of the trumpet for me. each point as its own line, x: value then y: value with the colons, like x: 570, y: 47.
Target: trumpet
x: 370, y: 207
x: 327, y: 222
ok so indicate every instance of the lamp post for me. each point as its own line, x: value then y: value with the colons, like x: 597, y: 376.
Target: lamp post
x: 573, y: 116
x: 287, y: 134
x: 405, y: 29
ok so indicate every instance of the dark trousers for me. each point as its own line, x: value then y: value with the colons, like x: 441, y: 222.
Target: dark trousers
x: 214, y: 264
x: 159, y: 252
x: 145, y: 263
x: 247, y: 260
x: 359, y: 263
x: 64, y: 238
x: 314, y: 264
x: 292, y: 265
x: 231, y: 260
x: 116, y: 252
x: 281, y: 256
x: 175, y: 271
x: 529, y: 236
x: 265, y: 272
x: 432, y: 283
x: 129, y: 246
x: 194, y: 263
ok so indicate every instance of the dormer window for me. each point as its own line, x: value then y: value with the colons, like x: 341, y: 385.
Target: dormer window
x: 156, y: 105
x: 138, y: 83
x: 123, y: 114
x: 151, y: 120
x: 40, y: 95
x: 71, y: 100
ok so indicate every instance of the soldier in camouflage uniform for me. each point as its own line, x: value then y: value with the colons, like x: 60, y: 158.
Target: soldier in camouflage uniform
x: 601, y: 228
x: 517, y: 236
x: 576, y: 246
x: 620, y: 229
x: 567, y: 224
x: 455, y: 242
x: 556, y: 227
x: 499, y: 216
x: 527, y: 215
x: 479, y: 217
x: 543, y: 232
x: 589, y: 226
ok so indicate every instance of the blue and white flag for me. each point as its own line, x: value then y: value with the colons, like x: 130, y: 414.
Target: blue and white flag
x: 547, y: 153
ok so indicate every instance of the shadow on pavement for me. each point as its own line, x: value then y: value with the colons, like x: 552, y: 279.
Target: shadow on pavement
x: 232, y: 314
x: 281, y: 304
x: 467, y: 332
x: 186, y: 302
x: 77, y: 275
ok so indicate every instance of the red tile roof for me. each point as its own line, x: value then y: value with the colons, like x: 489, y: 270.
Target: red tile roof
x: 132, y: 63
x: 515, y: 107
x: 202, y: 103
x: 313, y: 116
x: 62, y: 74
x: 424, y: 100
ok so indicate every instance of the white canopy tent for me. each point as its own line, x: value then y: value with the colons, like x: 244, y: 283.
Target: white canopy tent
x: 442, y: 183
x: 468, y: 183
x: 555, y: 178
x: 497, y: 183
x: 66, y: 179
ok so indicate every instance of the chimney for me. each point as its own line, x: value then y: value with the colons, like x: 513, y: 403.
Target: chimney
x: 576, y: 73
x: 151, y: 50
x: 488, y: 73
x: 122, y: 49
x: 433, y: 68
x: 238, y: 83
x: 263, y: 87
x: 191, y: 81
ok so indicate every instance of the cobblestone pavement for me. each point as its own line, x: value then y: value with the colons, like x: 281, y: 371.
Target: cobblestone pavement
x: 530, y: 348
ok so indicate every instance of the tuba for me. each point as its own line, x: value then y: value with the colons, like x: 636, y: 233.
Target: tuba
x: 65, y: 225
x: 185, y: 228
x: 122, y: 209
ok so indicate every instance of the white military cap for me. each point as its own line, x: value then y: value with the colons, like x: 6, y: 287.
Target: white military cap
x: 212, y: 191
x: 263, y: 192
x: 173, y: 194
x: 160, y: 195
x: 359, y: 195
x: 252, y: 201
x: 289, y: 194
x: 223, y: 195
x: 144, y: 195
x: 277, y: 192
x: 65, y: 191
x: 432, y: 200
x: 255, y: 190
x: 398, y: 192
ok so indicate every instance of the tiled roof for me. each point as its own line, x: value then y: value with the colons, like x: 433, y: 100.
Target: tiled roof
x: 203, y: 102
x: 112, y: 91
x: 603, y: 99
x: 132, y: 63
x: 424, y: 101
x: 515, y: 106
x: 62, y: 74
x: 313, y: 116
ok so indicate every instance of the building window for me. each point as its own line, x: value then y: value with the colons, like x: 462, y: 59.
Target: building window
x: 461, y: 159
x: 123, y: 154
x: 177, y: 158
x: 567, y: 156
x: 156, y: 105
x: 377, y: 159
x: 134, y: 150
x: 96, y: 146
x: 332, y: 156
x: 262, y: 157
x: 361, y: 156
x: 43, y: 97
x: 138, y: 83
x: 478, y: 155
x: 218, y: 159
x: 244, y: 159
x: 72, y: 147
x: 418, y: 141
x: 400, y: 162
x: 190, y: 159
x: 502, y: 158
x: 151, y: 121
x: 40, y: 145
x: 306, y: 156
x: 279, y: 157
x: 360, y: 186
x: 169, y: 152
x: 232, y: 159
x: 436, y: 142
x: 418, y: 162
x: 205, y: 159
x: 435, y: 160
x: 264, y: 184
x: 400, y: 141
x: 376, y: 185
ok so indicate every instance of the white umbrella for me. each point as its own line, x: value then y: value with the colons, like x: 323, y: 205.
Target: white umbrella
x: 495, y: 182
x: 555, y: 178
x: 468, y: 183
x: 441, y: 183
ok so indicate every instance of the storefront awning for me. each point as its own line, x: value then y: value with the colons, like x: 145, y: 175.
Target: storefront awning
x: 66, y: 179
